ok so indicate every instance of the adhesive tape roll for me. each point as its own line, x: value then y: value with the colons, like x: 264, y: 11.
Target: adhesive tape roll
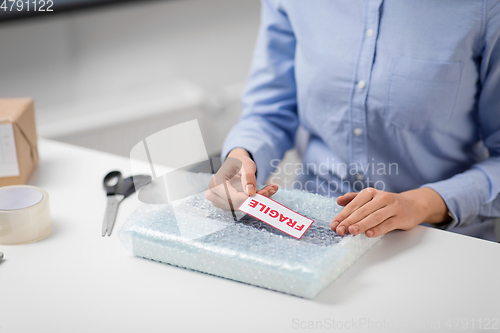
x: 24, y: 214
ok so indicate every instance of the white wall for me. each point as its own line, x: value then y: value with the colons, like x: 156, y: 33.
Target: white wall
x: 85, y: 57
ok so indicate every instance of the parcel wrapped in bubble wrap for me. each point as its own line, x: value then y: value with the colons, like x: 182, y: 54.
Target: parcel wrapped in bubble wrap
x: 196, y: 235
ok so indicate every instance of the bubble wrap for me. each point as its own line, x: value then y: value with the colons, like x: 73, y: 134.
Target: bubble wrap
x: 195, y: 235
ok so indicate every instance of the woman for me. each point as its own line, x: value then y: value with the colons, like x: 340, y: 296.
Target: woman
x: 401, y: 103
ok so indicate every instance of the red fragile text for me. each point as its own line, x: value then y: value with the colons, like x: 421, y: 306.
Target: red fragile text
x: 275, y: 214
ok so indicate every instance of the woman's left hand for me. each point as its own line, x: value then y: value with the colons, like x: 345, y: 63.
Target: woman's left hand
x: 375, y: 212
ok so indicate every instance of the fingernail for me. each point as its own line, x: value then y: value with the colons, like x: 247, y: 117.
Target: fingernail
x: 354, y: 229
x: 341, y: 230
x: 334, y: 225
x: 272, y: 191
x: 249, y: 188
x: 370, y: 233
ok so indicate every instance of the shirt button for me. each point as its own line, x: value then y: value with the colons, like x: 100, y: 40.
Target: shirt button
x: 360, y: 177
x: 369, y: 32
x: 358, y: 131
x: 361, y: 84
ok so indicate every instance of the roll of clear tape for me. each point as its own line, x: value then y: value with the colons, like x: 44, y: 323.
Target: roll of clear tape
x: 24, y: 214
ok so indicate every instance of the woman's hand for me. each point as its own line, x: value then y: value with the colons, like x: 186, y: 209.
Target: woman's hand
x: 375, y: 212
x: 235, y: 181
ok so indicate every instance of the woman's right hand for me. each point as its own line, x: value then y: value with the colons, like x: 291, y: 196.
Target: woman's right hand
x: 235, y: 181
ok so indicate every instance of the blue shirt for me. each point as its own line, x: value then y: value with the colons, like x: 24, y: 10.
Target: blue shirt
x: 393, y: 94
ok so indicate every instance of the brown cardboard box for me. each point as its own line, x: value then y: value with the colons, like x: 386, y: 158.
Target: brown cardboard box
x: 18, y: 141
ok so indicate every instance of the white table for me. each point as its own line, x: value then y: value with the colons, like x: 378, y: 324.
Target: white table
x: 77, y: 281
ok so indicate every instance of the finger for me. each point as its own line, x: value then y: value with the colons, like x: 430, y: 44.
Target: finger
x: 230, y: 168
x: 362, y: 212
x: 212, y: 183
x: 268, y: 190
x: 343, y: 200
x: 229, y: 199
x: 372, y: 220
x: 235, y: 197
x: 362, y: 198
x: 219, y: 191
x: 248, y: 180
x: 383, y: 228
x: 236, y: 183
x: 224, y: 204
x: 217, y: 201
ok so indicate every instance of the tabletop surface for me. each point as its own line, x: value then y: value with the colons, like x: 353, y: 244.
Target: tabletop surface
x: 75, y: 280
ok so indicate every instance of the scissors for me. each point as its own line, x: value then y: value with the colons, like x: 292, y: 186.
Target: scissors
x: 117, y: 189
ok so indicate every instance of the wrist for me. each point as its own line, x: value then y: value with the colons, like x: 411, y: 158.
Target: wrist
x: 238, y: 153
x: 431, y: 208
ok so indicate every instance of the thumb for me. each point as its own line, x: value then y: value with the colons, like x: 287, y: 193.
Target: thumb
x: 248, y: 180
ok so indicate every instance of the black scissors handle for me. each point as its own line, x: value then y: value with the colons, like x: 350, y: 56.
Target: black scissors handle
x: 112, y: 182
x: 133, y: 183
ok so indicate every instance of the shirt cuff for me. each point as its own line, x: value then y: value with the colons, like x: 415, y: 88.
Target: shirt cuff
x: 463, y: 194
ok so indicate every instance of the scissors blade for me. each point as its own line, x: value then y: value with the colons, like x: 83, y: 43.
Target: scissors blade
x: 104, y: 225
x: 110, y: 215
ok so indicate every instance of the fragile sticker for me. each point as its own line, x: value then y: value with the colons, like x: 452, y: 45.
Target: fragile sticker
x: 276, y: 215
